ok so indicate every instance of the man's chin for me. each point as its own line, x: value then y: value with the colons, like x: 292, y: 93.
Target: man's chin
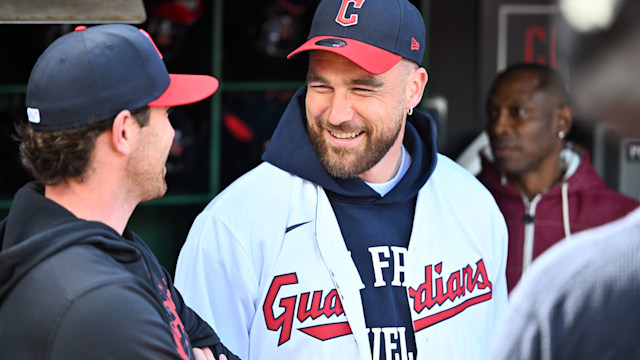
x: 160, y: 192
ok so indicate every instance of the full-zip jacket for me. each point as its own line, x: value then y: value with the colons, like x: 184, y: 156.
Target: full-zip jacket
x: 580, y: 201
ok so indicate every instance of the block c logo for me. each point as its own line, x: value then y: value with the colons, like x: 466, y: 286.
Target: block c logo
x: 342, y: 18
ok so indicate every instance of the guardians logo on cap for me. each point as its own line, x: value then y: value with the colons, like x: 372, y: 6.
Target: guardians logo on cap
x: 92, y: 74
x: 374, y: 34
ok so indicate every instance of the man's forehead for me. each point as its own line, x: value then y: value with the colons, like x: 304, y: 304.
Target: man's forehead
x: 517, y: 86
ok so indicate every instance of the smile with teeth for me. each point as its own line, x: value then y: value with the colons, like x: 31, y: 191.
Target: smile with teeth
x: 344, y: 135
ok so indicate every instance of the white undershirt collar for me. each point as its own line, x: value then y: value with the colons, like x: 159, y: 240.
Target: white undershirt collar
x: 385, y: 187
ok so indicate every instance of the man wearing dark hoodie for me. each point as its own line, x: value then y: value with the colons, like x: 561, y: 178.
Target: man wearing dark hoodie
x: 75, y: 282
x: 354, y: 239
x: 545, y: 187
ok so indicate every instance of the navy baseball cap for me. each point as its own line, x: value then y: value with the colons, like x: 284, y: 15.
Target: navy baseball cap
x: 374, y: 34
x: 93, y: 73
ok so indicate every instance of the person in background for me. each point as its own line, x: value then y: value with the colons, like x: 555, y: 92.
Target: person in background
x: 354, y: 239
x: 545, y: 187
x: 580, y: 298
x: 75, y: 282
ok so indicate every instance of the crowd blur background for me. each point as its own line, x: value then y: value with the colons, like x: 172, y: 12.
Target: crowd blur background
x: 245, y: 46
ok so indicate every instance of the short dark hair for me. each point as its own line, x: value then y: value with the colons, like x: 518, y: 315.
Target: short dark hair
x: 550, y: 80
x: 54, y: 156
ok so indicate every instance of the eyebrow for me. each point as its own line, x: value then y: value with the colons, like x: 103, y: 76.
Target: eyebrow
x: 365, y: 81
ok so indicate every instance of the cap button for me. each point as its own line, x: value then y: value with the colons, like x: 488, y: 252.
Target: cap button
x: 80, y: 28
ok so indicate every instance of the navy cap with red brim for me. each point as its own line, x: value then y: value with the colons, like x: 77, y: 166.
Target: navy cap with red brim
x: 186, y: 89
x: 372, y: 59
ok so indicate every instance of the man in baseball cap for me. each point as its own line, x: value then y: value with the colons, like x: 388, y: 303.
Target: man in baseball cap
x: 76, y: 283
x: 354, y: 239
x: 375, y: 37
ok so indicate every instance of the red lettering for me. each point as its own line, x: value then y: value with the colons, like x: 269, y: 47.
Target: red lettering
x: 285, y: 320
x: 467, y: 273
x: 315, y: 310
x: 454, y: 286
x: 482, y: 272
x: 423, y: 296
x: 332, y: 304
x: 177, y: 328
x: 538, y: 35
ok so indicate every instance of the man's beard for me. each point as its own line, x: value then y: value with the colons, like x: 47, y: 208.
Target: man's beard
x: 346, y: 163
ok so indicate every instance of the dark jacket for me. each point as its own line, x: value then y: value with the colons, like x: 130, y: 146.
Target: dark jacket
x: 589, y: 203
x: 76, y: 289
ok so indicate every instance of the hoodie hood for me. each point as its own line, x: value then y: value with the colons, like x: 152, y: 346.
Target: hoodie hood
x: 37, y: 228
x: 290, y: 149
x: 579, y: 173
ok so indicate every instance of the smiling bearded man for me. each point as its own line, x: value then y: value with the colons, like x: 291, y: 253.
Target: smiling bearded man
x: 330, y: 247
x: 350, y: 144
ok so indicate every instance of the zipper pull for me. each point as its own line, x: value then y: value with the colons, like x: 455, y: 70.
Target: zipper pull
x: 527, y: 219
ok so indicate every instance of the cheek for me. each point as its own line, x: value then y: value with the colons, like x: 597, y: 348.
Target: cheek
x: 538, y: 141
x: 315, y: 105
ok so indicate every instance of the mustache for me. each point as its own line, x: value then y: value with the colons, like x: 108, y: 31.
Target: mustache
x: 497, y: 142
x: 342, y: 127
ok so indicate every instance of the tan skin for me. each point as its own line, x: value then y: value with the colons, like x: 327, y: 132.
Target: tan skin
x: 348, y: 108
x: 523, y: 127
x: 112, y: 186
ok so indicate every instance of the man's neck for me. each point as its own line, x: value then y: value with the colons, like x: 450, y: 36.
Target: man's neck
x: 93, y: 202
x: 388, y: 166
x: 533, y: 183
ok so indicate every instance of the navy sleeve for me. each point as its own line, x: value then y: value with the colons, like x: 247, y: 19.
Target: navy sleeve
x: 116, y: 321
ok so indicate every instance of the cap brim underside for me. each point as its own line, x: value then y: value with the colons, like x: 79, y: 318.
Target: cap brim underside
x: 186, y: 89
x: 372, y: 59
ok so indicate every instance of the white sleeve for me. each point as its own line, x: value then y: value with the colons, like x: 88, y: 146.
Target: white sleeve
x: 500, y: 285
x: 217, y: 280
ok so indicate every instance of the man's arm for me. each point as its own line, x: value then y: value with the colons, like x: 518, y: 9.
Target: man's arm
x: 118, y: 320
x: 203, y: 338
x: 217, y: 280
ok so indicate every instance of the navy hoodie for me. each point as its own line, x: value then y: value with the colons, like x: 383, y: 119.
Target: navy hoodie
x: 367, y: 220
x: 76, y: 289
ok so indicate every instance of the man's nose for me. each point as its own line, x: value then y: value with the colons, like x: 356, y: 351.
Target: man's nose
x: 340, y: 109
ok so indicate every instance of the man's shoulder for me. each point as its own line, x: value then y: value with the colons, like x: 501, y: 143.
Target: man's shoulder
x: 80, y: 268
x: 265, y: 184
x: 458, y: 180
x: 79, y: 288
x: 447, y: 167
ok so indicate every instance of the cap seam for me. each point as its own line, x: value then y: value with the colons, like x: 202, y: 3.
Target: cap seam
x: 398, y: 30
x: 93, y: 76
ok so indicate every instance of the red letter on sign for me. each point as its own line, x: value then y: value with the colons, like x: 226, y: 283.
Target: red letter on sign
x: 540, y: 34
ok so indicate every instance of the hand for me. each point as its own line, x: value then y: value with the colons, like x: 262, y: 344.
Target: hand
x: 206, y: 354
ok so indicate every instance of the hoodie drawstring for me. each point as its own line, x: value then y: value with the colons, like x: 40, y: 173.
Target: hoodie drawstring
x: 565, y: 210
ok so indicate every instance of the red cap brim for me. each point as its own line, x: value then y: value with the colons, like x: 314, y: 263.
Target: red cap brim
x: 186, y: 89
x: 372, y: 59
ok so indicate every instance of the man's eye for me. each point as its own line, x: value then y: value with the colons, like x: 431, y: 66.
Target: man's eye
x: 518, y: 112
x: 363, y: 90
x: 318, y: 86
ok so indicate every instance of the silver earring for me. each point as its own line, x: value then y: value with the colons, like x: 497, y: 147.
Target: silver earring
x: 410, y: 111
x: 561, y: 134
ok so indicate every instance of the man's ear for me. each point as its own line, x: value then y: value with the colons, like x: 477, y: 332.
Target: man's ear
x: 122, y: 132
x: 564, y: 118
x: 416, y: 83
